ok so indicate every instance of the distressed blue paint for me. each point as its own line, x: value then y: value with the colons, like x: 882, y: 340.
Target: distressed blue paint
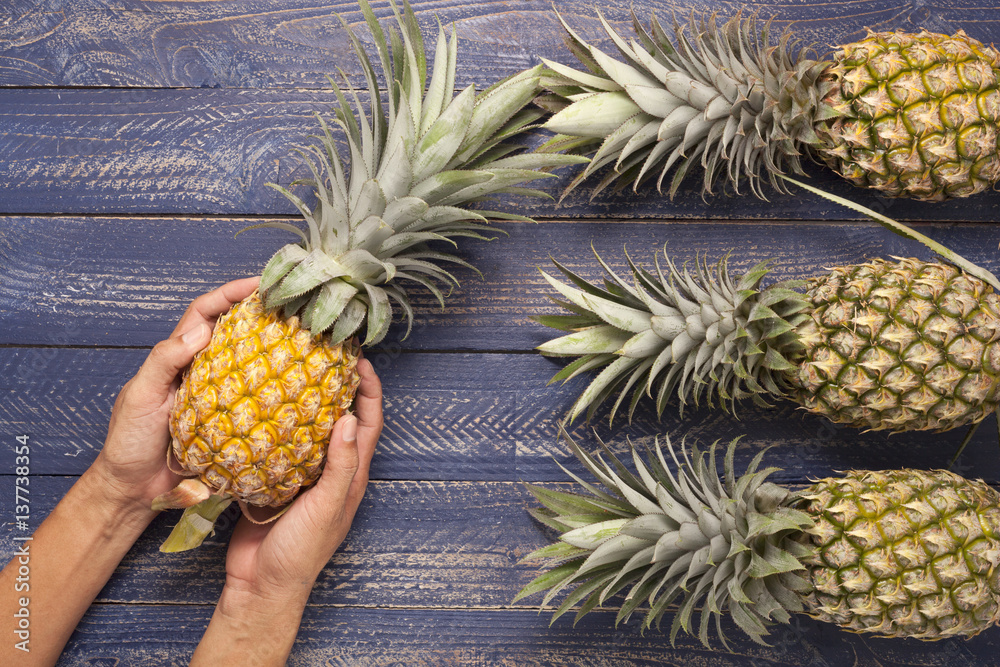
x: 126, y: 281
x: 142, y: 634
x: 253, y: 44
x: 133, y: 136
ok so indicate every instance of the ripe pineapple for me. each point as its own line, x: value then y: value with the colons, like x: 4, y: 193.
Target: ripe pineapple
x: 253, y: 415
x: 911, y: 115
x: 902, y: 553
x: 900, y: 345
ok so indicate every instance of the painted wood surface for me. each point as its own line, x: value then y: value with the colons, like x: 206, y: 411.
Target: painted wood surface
x: 145, y: 635
x: 125, y: 281
x: 135, y: 141
x: 212, y: 152
x: 445, y: 422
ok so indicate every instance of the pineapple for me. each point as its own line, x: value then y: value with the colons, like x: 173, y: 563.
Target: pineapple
x: 253, y: 414
x: 910, y: 115
x: 901, y: 553
x: 896, y: 345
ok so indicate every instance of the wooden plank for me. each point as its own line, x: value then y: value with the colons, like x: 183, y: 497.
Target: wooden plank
x: 413, y: 544
x: 428, y: 545
x: 241, y: 44
x: 180, y: 151
x: 126, y: 281
x: 466, y: 417
x: 167, y: 635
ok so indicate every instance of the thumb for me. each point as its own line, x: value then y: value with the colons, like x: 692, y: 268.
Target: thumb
x: 168, y: 358
x: 342, y: 462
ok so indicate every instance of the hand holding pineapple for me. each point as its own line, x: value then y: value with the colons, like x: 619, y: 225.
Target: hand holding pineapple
x: 79, y: 545
x: 132, y: 462
x: 271, y: 568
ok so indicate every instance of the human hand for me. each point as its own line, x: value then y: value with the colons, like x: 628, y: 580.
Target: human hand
x: 132, y: 463
x: 271, y: 568
x: 286, y: 556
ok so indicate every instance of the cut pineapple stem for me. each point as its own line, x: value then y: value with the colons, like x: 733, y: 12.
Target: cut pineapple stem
x: 907, y: 232
x: 197, y: 523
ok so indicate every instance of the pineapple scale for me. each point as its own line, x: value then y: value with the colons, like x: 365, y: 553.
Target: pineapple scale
x: 904, y: 553
x: 253, y: 414
x: 900, y: 345
x: 916, y: 115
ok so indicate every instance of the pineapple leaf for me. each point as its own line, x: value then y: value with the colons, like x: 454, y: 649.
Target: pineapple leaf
x: 333, y: 297
x: 543, y: 582
x: 349, y: 321
x: 437, y: 147
x: 283, y: 261
x: 438, y: 90
x: 379, y: 314
x: 908, y: 233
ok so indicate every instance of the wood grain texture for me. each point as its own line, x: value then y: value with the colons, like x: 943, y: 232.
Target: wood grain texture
x: 126, y: 281
x: 295, y: 44
x: 136, y: 138
x: 166, y: 636
x: 444, y: 422
x: 181, y: 151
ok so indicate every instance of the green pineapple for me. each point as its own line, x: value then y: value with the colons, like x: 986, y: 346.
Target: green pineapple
x: 911, y: 115
x: 899, y: 345
x: 902, y: 553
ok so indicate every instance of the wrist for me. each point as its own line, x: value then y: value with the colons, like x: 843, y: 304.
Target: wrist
x: 241, y: 618
x: 244, y: 598
x: 110, y: 501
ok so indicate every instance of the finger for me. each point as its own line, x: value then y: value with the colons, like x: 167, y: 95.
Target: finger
x: 166, y: 360
x: 368, y: 408
x: 207, y: 307
x: 342, y: 464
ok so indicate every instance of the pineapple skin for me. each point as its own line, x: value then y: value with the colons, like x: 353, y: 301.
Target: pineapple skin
x: 253, y: 414
x: 901, y: 345
x: 904, y: 553
x: 917, y: 115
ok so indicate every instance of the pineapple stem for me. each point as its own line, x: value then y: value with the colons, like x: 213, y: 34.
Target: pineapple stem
x: 909, y: 233
x: 197, y: 523
x: 965, y: 441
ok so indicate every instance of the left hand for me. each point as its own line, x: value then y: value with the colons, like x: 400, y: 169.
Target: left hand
x: 133, y: 461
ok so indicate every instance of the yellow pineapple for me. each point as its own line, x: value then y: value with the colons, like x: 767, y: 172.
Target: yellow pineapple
x: 253, y: 415
x: 257, y: 406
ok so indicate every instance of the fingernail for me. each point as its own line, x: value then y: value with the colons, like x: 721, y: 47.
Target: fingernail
x: 195, y: 334
x: 350, y: 428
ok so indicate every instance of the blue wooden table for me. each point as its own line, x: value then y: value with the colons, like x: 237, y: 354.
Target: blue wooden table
x: 135, y: 140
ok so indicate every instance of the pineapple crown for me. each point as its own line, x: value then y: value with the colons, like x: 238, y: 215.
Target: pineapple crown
x: 413, y: 164
x: 692, y: 537
x: 727, y: 97
x: 674, y: 331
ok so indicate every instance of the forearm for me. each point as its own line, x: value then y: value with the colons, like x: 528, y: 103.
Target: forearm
x: 69, y: 559
x: 259, y: 630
